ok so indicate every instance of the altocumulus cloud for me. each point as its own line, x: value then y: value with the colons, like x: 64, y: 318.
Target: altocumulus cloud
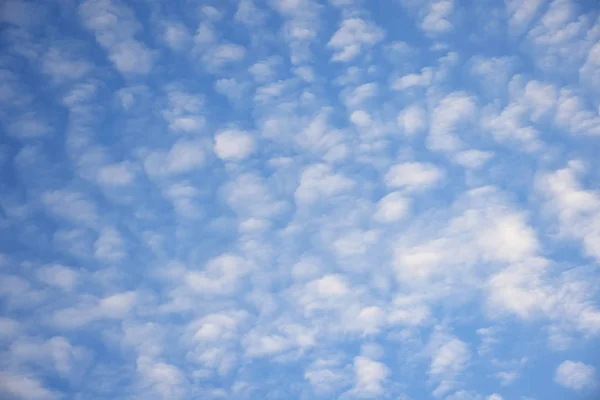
x: 299, y: 199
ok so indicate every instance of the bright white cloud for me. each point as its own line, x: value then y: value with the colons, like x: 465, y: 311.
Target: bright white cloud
x: 233, y: 145
x: 521, y: 14
x: 449, y: 358
x: 369, y: 377
x: 298, y: 199
x: 319, y: 181
x: 575, y: 375
x: 354, y: 36
x: 453, y: 112
x: 423, y: 79
x: 391, y: 208
x: 437, y: 18
x: 412, y: 120
x: 413, y: 176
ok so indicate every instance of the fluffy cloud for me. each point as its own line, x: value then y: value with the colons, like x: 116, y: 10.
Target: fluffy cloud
x: 353, y: 37
x: 413, y: 176
x: 412, y: 120
x: 369, y: 377
x: 184, y: 156
x: 449, y: 357
x: 391, y: 208
x: 233, y: 145
x: 298, y: 199
x: 575, y: 375
x: 115, y: 27
x: 319, y: 181
x: 23, y: 387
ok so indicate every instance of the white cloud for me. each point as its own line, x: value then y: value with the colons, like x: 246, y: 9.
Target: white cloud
x: 29, y: 125
x: 116, y: 174
x: 24, y: 387
x: 559, y: 39
x: 450, y: 356
x: 161, y: 378
x: 115, y: 306
x: 413, y: 176
x: 115, y: 27
x: 248, y: 13
x: 176, y: 36
x: 187, y: 124
x: 250, y: 196
x: 354, y: 242
x: 473, y: 159
x: 183, y: 197
x: 575, y: 375
x: 9, y: 328
x: 361, y: 118
x: 360, y: 94
x: 391, y: 208
x: 213, y: 340
x: 233, y: 145
x: 408, y: 311
x: 220, y: 276
x: 62, y: 65
x: 184, y: 112
x: 326, y: 376
x: 354, y: 36
x: 519, y: 289
x: 70, y: 205
x: 59, y: 276
x: 318, y: 181
x: 493, y: 73
x: 56, y: 354
x: 216, y: 327
x: 369, y: 376
x: 233, y: 89
x: 423, y: 79
x: 412, y: 120
x: 131, y: 56
x: 109, y: 245
x: 574, y: 116
x: 212, y: 13
x: 265, y: 70
x: 220, y: 55
x: 521, y: 14
x: 506, y: 377
x: 315, y: 199
x: 184, y: 156
x: 437, y: 18
x: 287, y: 338
x: 451, y: 113
x: 589, y: 73
x: 576, y: 210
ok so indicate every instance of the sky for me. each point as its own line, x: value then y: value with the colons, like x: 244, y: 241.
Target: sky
x: 299, y: 199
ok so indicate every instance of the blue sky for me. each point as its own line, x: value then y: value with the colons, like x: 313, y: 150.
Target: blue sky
x: 299, y: 199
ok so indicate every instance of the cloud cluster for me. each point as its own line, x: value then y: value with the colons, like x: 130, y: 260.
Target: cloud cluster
x: 299, y: 199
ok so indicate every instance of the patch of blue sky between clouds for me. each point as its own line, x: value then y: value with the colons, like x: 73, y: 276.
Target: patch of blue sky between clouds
x: 299, y: 199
